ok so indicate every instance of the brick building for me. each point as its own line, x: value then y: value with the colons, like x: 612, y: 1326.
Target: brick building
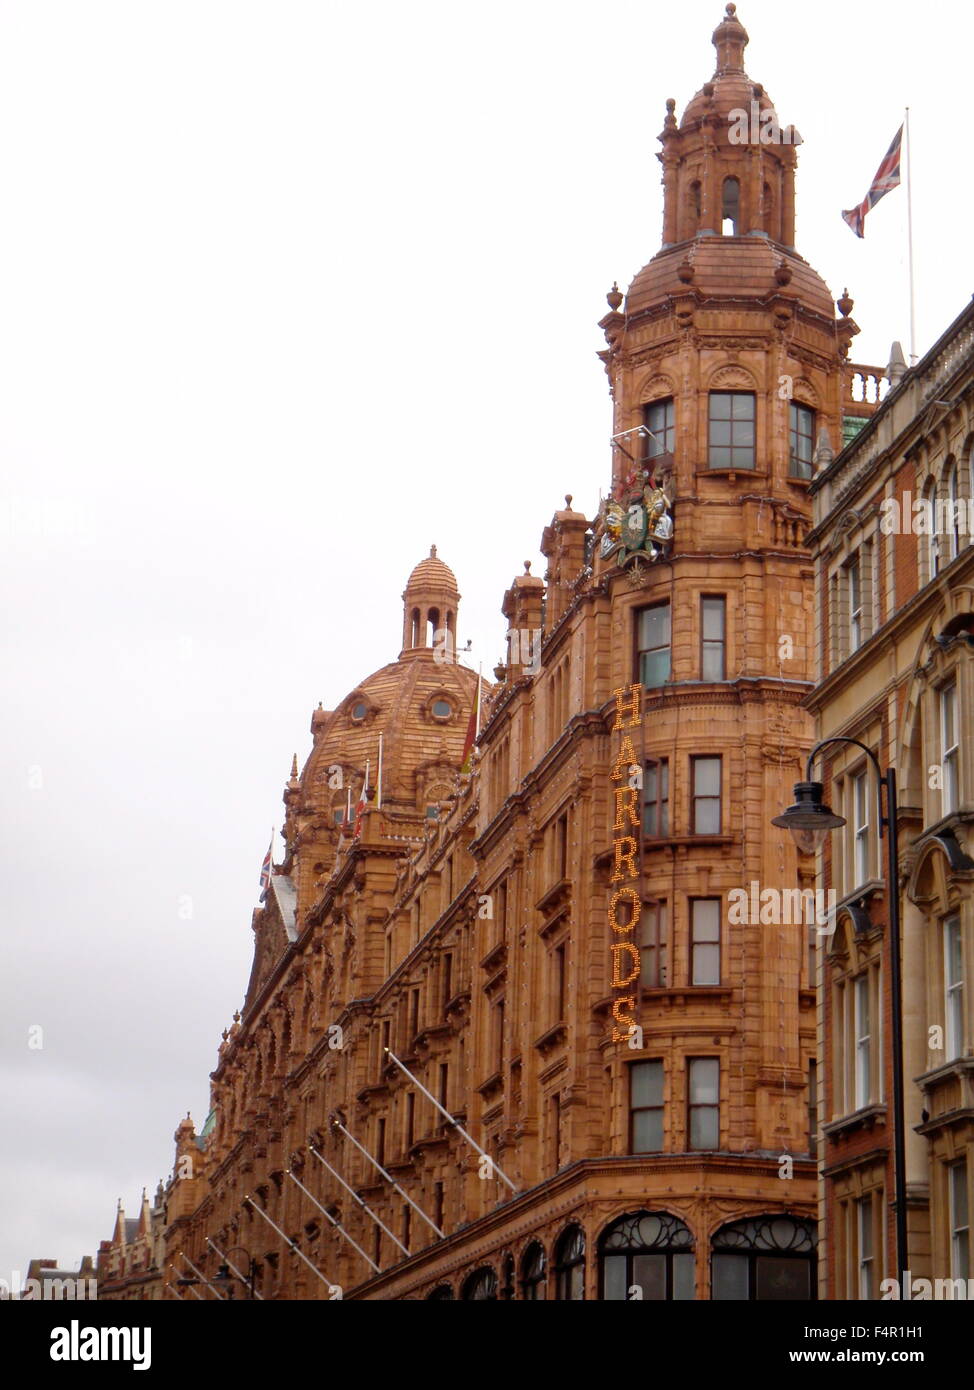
x: 544, y: 942
x: 894, y: 638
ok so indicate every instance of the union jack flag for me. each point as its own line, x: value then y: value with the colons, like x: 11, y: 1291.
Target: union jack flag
x: 265, y: 871
x: 887, y: 178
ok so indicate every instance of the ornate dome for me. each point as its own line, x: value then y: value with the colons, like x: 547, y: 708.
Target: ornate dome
x: 432, y: 571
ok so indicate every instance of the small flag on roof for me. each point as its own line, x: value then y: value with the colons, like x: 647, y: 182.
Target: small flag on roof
x: 265, y: 870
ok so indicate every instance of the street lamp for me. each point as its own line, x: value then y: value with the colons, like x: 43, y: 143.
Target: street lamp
x: 224, y: 1279
x: 810, y: 821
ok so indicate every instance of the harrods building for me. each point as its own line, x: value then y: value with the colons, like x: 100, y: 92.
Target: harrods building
x: 542, y: 943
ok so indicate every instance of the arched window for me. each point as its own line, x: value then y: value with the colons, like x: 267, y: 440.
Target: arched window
x: 507, y: 1277
x: 414, y: 638
x: 694, y: 204
x: 764, y: 1258
x: 442, y: 1292
x: 570, y: 1265
x: 652, y: 1251
x: 482, y: 1284
x: 930, y: 525
x: 432, y: 626
x: 951, y: 527
x: 533, y: 1273
x: 730, y: 207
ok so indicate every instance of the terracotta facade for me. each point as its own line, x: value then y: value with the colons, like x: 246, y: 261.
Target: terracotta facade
x: 657, y: 1134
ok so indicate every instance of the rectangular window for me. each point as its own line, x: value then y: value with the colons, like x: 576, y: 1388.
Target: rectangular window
x: 556, y: 1130
x: 802, y: 440
x: 380, y: 1143
x: 949, y: 748
x: 653, y: 946
x: 447, y: 968
x: 853, y: 578
x: 705, y: 941
x: 703, y: 1102
x: 960, y: 1231
x: 659, y: 420
x: 561, y: 848
x: 558, y: 982
x: 860, y: 813
x: 953, y: 989
x: 653, y: 638
x: 406, y: 1214
x: 444, y: 1096
x: 413, y: 1016
x: 813, y: 1108
x: 705, y: 807
x: 499, y: 1035
x: 646, y: 1108
x: 732, y: 437
x: 713, y: 617
x: 861, y: 1025
x: 864, y: 1211
x: 656, y: 799
x: 410, y: 1118
x: 437, y: 1205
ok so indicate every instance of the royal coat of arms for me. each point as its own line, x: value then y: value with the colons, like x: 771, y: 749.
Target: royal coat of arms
x: 636, y: 522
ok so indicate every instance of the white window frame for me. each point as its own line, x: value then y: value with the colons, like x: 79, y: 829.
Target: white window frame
x: 854, y: 590
x: 953, y: 992
x: 865, y: 1244
x: 861, y: 855
x: 862, y: 1077
x: 960, y: 1221
x: 949, y: 748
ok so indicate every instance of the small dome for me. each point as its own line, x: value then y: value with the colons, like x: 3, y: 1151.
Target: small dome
x: 432, y: 572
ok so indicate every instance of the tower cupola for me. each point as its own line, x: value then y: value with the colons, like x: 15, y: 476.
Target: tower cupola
x: 431, y: 601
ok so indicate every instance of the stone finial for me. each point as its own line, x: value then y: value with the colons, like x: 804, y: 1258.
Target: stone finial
x: 432, y: 552
x: 845, y: 305
x: 897, y: 364
x: 824, y: 453
x: 615, y: 296
x: 730, y: 39
x: 568, y: 500
x: 527, y: 567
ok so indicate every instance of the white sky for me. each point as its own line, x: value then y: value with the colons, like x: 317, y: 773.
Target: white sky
x: 288, y: 292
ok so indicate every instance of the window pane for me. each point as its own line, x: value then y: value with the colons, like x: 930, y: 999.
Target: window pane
x: 743, y: 407
x: 704, y: 1080
x: 646, y: 1080
x: 712, y: 610
x: 649, y: 1272
x: 683, y: 1277
x: 781, y: 1279
x: 729, y: 1276
x: 713, y: 662
x: 720, y: 432
x: 655, y: 668
x: 720, y: 406
x: 706, y: 776
x: 706, y: 919
x: 720, y: 457
x: 707, y: 817
x: 647, y: 1132
x: 614, y: 1277
x: 706, y: 965
x: 654, y: 626
x: 742, y: 458
x: 958, y: 1183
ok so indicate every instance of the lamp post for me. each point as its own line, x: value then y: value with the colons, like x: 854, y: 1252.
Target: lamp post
x: 224, y: 1278
x: 810, y: 821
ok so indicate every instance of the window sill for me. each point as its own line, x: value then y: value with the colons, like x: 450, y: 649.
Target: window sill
x: 866, y: 1118
x: 732, y: 474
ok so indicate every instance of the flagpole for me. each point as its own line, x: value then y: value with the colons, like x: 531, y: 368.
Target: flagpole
x: 450, y: 1120
x: 388, y: 1177
x: 295, y: 1249
x: 355, y: 1197
x: 909, y: 224
x: 378, y: 793
x: 480, y: 674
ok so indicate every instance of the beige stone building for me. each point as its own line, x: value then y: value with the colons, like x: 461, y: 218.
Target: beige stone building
x: 894, y: 636
x: 543, y: 944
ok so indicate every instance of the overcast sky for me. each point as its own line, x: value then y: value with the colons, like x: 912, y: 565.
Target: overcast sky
x: 288, y: 292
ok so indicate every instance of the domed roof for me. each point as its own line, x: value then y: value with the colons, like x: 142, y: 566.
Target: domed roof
x: 730, y: 88
x: 432, y: 572
x: 723, y: 267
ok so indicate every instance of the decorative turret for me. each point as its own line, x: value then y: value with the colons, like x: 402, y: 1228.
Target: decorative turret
x: 430, y: 603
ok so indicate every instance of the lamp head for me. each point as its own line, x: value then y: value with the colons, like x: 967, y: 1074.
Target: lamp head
x: 809, y: 820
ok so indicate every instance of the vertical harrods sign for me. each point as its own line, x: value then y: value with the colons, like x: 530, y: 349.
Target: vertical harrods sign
x: 626, y: 900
